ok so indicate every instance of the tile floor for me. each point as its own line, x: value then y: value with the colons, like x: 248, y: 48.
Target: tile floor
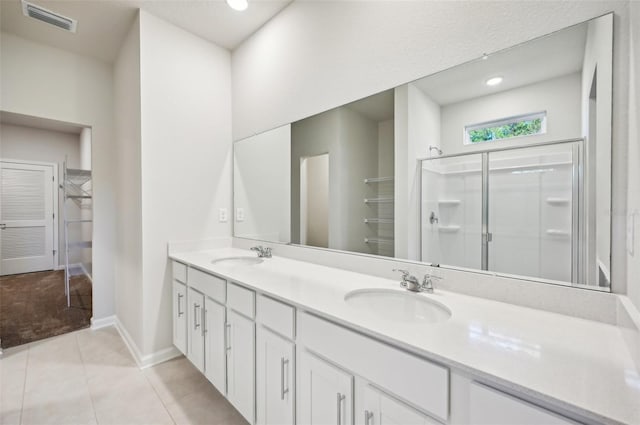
x: 89, y: 377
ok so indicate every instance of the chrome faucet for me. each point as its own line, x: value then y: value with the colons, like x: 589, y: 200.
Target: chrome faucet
x: 262, y: 251
x: 411, y: 283
x: 427, y: 283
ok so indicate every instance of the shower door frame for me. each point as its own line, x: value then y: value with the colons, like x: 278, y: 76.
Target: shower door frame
x: 577, y: 205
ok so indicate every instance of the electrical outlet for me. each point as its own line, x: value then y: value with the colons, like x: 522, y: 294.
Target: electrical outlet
x: 239, y: 214
x: 223, y: 215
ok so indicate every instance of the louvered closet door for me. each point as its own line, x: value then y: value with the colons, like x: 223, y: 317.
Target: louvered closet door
x: 26, y: 217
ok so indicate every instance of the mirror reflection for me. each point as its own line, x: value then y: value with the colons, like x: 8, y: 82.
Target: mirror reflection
x: 501, y: 164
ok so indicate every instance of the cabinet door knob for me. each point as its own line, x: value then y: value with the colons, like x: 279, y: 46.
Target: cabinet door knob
x: 180, y: 312
x: 228, y: 325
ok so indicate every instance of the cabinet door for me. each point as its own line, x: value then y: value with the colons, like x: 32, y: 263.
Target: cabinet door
x: 215, y: 361
x: 325, y: 394
x: 195, y: 334
x: 488, y: 406
x: 274, y: 379
x: 381, y: 409
x: 180, y: 316
x: 241, y: 364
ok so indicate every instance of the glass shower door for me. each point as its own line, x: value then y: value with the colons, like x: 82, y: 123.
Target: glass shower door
x: 532, y: 210
x: 451, y: 204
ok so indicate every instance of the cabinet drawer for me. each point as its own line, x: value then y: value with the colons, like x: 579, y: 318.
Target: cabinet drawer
x: 209, y: 285
x: 488, y: 406
x: 241, y: 300
x: 416, y: 380
x: 277, y: 316
x: 179, y: 272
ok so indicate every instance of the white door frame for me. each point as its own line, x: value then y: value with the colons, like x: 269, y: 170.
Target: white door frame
x: 54, y: 166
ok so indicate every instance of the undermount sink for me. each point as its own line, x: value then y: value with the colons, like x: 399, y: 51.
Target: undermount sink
x: 397, y: 306
x: 237, y: 261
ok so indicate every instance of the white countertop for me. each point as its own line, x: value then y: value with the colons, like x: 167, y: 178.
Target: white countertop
x: 579, y: 365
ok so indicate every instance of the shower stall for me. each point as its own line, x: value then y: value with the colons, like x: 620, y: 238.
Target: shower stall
x: 517, y: 211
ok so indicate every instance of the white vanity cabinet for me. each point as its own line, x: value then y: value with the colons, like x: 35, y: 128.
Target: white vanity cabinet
x: 488, y: 406
x: 378, y: 408
x: 241, y: 363
x: 180, y: 316
x: 325, y: 392
x: 179, y: 290
x: 215, y: 357
x: 195, y: 333
x: 275, y: 365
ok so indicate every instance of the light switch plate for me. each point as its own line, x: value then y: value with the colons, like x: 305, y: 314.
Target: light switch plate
x: 239, y: 214
x: 223, y: 215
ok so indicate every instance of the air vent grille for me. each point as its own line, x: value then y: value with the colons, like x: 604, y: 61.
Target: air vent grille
x: 49, y: 17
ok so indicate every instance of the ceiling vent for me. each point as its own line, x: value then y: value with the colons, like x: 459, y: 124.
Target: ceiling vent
x: 49, y: 17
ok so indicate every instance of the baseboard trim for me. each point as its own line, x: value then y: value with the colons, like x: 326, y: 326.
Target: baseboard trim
x: 103, y: 322
x: 149, y: 360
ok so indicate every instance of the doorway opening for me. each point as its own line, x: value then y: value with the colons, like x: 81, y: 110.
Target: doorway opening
x: 46, y: 228
x: 314, y: 200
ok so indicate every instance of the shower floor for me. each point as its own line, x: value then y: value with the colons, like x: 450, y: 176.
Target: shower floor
x: 33, y: 306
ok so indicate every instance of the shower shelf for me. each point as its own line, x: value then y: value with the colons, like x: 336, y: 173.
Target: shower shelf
x: 451, y: 202
x: 377, y: 240
x: 379, y: 220
x: 378, y: 180
x: 558, y: 201
x: 556, y: 232
x: 449, y: 229
x: 378, y: 200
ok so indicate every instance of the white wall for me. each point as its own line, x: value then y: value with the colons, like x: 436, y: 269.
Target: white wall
x: 559, y: 97
x: 46, y: 82
x: 262, y: 185
x: 423, y: 128
x: 186, y: 157
x: 633, y: 190
x: 314, y: 56
x: 127, y: 142
x: 598, y: 188
x: 34, y: 144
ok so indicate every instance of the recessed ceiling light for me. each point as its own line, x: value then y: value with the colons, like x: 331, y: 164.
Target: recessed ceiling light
x: 494, y: 81
x: 238, y: 4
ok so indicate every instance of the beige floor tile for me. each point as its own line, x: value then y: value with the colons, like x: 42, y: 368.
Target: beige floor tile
x: 206, y: 408
x: 13, y: 368
x: 127, y: 399
x: 177, y: 378
x: 64, y: 402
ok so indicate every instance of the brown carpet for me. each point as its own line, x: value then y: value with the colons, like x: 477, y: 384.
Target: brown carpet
x: 33, y: 306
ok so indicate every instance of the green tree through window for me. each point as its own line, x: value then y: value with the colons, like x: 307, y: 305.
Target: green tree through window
x: 520, y: 126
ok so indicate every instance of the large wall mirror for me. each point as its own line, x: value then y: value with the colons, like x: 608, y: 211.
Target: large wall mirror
x: 502, y: 164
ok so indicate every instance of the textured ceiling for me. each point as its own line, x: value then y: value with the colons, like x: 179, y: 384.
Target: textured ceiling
x: 103, y: 24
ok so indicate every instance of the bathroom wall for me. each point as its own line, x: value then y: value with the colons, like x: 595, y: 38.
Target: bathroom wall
x: 35, y: 144
x: 559, y: 97
x: 186, y: 150
x: 127, y: 144
x: 352, y: 143
x: 633, y: 190
x: 597, y: 188
x: 262, y: 186
x: 46, y: 82
x: 326, y: 54
x: 421, y: 117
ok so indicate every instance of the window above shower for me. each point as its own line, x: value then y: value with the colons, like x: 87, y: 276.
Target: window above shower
x: 506, y: 128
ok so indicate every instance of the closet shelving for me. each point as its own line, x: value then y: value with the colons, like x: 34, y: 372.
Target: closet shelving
x: 382, y: 220
x: 77, y: 190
